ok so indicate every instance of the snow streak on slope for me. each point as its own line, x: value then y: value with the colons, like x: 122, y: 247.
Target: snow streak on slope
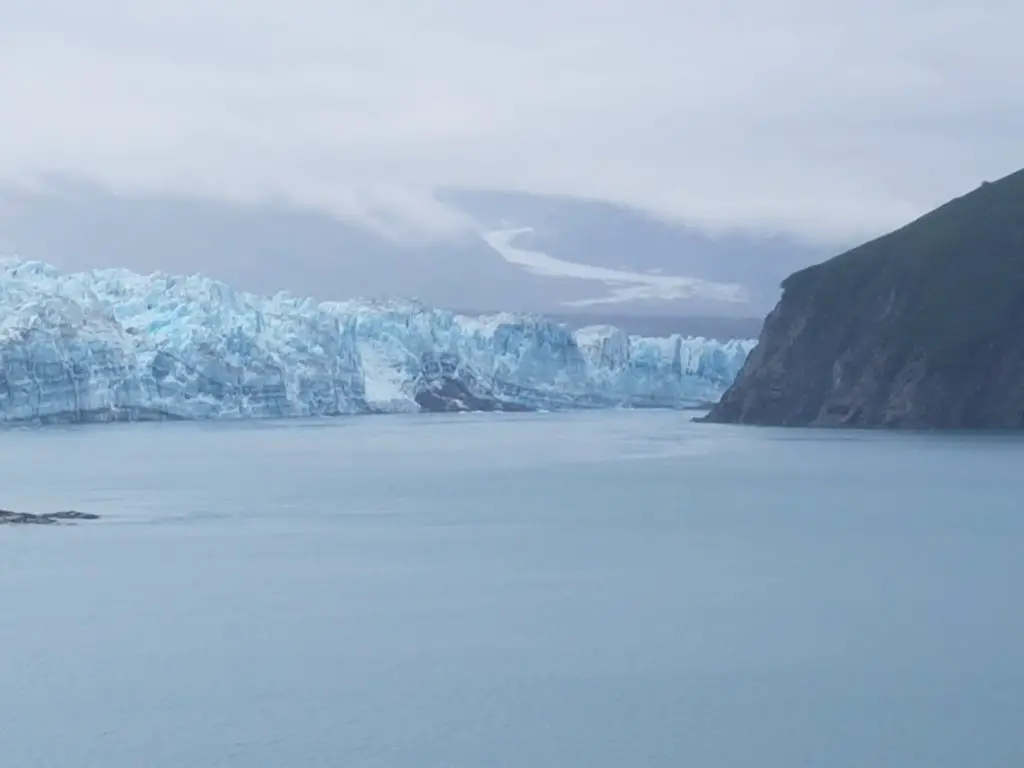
x: 112, y: 345
x: 624, y: 285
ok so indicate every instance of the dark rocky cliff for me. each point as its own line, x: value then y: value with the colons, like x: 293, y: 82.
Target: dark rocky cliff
x: 921, y: 328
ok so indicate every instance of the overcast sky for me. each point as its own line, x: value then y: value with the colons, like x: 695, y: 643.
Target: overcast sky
x: 818, y: 117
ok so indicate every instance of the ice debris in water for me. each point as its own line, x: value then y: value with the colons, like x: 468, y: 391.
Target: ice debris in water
x: 110, y: 345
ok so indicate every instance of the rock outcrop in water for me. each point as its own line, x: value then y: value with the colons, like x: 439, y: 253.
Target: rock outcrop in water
x: 51, y: 518
x: 921, y: 328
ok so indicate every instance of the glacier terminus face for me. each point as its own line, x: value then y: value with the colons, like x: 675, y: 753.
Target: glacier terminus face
x: 111, y: 345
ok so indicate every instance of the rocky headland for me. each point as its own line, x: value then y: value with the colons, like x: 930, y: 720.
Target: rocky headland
x: 922, y: 328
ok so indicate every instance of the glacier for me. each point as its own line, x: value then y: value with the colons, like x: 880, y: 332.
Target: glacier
x: 113, y: 345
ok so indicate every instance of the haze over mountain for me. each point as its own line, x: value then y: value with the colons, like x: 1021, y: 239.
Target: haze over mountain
x: 517, y: 252
x: 337, y: 148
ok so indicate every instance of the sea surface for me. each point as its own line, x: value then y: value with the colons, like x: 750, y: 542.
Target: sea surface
x: 594, y: 590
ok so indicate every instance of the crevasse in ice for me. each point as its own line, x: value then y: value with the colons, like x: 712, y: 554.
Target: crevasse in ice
x: 113, y: 345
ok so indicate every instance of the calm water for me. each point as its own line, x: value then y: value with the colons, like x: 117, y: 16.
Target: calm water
x: 593, y: 590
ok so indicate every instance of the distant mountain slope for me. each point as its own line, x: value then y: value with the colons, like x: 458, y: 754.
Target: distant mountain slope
x: 617, y: 237
x: 269, y: 246
x: 921, y: 328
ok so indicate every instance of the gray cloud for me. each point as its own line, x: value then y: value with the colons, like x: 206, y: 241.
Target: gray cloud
x: 823, y: 118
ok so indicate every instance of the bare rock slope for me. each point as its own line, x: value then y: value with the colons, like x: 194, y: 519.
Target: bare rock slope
x: 921, y: 328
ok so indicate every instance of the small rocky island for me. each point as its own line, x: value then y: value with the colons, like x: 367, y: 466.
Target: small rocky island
x: 922, y: 328
x: 51, y: 518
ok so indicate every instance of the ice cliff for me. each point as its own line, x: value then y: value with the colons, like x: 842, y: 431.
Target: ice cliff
x: 111, y: 345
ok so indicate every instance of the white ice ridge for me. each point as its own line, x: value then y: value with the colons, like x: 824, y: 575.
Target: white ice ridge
x: 112, y: 345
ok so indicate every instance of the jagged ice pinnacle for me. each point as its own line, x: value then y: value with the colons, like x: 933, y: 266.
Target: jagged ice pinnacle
x: 112, y: 345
